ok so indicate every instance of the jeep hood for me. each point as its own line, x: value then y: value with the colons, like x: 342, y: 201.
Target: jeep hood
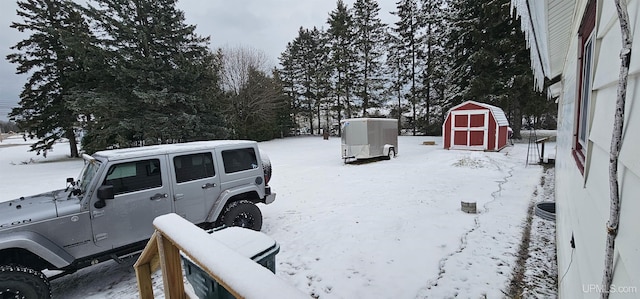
x: 25, y: 210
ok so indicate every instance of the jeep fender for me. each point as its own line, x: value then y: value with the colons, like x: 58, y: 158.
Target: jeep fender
x: 224, y: 197
x: 38, y: 245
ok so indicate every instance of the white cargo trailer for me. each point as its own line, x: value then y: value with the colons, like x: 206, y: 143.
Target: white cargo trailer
x: 365, y: 138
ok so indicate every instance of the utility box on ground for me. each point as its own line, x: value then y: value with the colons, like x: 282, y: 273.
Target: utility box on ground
x: 365, y: 138
x: 257, y: 246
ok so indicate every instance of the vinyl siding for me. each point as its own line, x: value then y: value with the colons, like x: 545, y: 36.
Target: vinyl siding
x: 631, y: 147
x: 583, y: 203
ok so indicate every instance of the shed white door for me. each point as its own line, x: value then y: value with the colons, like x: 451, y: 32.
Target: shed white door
x: 469, y: 129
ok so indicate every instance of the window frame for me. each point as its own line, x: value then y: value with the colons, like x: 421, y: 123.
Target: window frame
x: 586, y: 59
x: 148, y: 172
x: 205, y: 173
x: 237, y: 155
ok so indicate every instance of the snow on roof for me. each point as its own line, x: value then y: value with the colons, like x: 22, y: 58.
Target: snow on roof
x: 547, y: 28
x: 498, y: 113
x: 364, y: 119
x: 125, y: 153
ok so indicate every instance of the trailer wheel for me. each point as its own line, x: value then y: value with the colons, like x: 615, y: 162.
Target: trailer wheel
x: 243, y: 213
x: 392, y: 153
x: 23, y: 282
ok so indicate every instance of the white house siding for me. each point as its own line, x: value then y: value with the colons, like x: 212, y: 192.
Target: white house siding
x: 583, y: 201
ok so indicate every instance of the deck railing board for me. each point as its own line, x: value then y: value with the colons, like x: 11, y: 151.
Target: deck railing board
x: 241, y: 276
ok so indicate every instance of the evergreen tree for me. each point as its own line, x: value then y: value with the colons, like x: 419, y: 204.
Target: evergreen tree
x: 303, y: 59
x: 369, y: 38
x: 288, y: 76
x: 440, y: 75
x: 394, y: 70
x: 434, y: 57
x: 515, y: 90
x: 296, y: 76
x: 490, y: 60
x: 284, y: 116
x: 307, y: 58
x: 321, y: 77
x: 408, y: 51
x: 439, y: 55
x: 463, y: 42
x: 340, y: 40
x: 53, y: 56
x: 162, y: 80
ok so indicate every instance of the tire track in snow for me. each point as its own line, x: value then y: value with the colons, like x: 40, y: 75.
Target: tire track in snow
x: 463, y: 239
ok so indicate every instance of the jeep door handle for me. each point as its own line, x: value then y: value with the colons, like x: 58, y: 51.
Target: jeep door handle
x: 208, y: 185
x: 159, y: 196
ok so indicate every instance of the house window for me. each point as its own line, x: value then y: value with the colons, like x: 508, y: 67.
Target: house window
x: 583, y: 102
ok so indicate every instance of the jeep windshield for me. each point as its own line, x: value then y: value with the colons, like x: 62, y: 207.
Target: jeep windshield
x: 91, y: 166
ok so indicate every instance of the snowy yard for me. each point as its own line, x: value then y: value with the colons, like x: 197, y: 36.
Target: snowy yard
x: 386, y: 229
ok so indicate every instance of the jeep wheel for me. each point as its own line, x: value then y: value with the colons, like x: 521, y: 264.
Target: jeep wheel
x: 22, y: 282
x: 243, y: 213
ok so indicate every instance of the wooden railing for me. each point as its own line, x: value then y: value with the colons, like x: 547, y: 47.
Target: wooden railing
x: 241, y: 276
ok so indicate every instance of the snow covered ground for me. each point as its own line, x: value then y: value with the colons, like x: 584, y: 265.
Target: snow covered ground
x: 386, y: 229
x: 541, y: 270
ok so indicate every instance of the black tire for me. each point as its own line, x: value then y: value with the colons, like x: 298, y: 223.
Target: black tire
x: 23, y: 282
x: 392, y: 153
x: 243, y: 213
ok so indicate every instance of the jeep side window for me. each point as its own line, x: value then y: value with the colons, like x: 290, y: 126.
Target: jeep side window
x: 134, y: 176
x: 239, y: 159
x: 193, y: 167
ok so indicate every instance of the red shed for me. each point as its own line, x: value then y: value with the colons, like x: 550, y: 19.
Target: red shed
x: 475, y: 126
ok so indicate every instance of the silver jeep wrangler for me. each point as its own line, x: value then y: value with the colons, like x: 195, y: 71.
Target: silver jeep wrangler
x: 108, y: 212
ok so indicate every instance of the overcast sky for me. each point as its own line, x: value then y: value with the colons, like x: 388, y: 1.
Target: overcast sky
x: 266, y: 25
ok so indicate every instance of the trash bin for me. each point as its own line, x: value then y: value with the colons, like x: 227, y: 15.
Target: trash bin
x: 257, y: 246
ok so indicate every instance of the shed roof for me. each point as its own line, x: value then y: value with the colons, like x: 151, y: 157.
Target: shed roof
x: 498, y: 113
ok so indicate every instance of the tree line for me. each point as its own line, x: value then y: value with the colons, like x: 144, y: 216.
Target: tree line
x: 122, y: 73
x: 437, y: 55
x: 8, y: 126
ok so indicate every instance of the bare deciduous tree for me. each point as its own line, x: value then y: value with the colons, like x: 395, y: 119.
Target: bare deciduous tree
x: 252, y: 96
x: 236, y: 63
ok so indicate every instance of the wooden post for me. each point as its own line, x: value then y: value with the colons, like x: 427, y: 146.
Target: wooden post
x: 171, y: 268
x: 164, y: 247
x: 144, y: 268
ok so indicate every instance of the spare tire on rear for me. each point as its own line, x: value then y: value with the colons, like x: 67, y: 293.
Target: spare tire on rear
x: 266, y: 167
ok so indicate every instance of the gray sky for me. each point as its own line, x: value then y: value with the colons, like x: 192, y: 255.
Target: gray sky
x: 265, y: 25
